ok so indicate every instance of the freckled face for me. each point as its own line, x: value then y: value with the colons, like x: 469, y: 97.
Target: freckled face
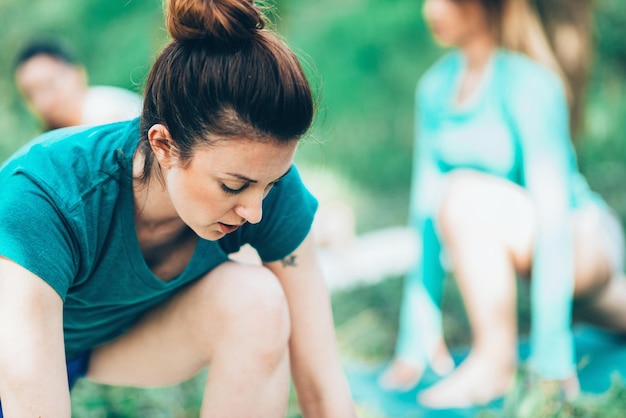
x: 453, y: 23
x: 223, y: 186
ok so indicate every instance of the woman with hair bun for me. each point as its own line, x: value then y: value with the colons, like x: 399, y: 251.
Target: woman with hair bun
x: 497, y: 190
x: 115, y: 240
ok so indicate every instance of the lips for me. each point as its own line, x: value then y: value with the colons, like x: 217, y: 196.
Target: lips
x: 227, y: 229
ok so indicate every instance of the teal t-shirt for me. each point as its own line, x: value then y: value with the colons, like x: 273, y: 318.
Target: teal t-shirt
x: 515, y: 126
x: 66, y: 214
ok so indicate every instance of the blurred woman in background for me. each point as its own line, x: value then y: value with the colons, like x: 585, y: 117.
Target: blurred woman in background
x: 497, y: 194
x: 54, y: 86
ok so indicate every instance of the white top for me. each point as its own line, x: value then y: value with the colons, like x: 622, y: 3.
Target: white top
x: 106, y: 104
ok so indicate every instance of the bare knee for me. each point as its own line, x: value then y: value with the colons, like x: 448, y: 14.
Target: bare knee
x: 482, y: 206
x: 251, y: 297
x: 245, y: 308
x: 460, y: 206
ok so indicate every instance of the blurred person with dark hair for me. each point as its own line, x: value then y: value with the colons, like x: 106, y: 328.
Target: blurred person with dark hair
x: 497, y: 194
x: 115, y: 239
x: 55, y: 87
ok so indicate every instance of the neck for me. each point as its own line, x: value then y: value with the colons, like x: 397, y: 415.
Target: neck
x: 478, y: 51
x: 153, y: 206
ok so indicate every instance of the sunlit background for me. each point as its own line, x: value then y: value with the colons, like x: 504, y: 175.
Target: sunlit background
x: 364, y: 58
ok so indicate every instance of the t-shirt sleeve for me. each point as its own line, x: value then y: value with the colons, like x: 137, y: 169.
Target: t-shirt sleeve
x: 35, y: 234
x: 288, y: 212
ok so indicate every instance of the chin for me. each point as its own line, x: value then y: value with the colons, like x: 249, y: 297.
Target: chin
x: 208, y: 233
x: 445, y: 42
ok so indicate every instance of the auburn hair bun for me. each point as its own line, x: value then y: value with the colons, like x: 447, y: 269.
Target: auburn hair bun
x: 222, y: 22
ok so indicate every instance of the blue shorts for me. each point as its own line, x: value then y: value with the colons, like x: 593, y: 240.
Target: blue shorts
x: 76, y: 368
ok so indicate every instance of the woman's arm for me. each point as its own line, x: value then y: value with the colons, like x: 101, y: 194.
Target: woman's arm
x: 318, y: 376
x: 539, y: 110
x: 33, y: 377
x: 420, y: 329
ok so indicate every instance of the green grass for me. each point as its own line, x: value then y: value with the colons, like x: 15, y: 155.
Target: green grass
x: 93, y: 400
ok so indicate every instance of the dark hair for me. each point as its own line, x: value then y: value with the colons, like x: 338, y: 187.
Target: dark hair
x: 223, y: 76
x: 53, y: 48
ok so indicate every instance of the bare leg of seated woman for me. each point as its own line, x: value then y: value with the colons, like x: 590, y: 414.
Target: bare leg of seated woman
x: 235, y: 319
x: 488, y: 226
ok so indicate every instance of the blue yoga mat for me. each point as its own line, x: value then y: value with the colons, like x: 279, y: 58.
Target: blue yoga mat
x: 601, y: 355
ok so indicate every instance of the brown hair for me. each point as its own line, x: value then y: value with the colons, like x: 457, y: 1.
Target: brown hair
x: 223, y: 75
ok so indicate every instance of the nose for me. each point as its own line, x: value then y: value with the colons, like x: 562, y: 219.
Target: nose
x: 250, y: 208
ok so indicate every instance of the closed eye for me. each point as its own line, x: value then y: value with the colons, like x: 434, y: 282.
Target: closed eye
x: 235, y: 191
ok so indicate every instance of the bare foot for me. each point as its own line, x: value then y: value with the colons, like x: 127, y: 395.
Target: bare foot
x: 404, y: 376
x: 477, y: 381
x: 401, y: 376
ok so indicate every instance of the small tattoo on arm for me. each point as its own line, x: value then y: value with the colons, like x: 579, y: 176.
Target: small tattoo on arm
x: 289, y: 261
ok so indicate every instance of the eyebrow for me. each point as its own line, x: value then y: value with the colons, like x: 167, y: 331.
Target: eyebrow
x: 249, y: 180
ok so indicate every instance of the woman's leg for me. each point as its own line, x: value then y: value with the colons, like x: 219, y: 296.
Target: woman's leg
x: 487, y: 225
x: 600, y: 287
x: 235, y: 319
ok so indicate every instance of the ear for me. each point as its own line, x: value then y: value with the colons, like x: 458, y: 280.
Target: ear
x: 162, y: 145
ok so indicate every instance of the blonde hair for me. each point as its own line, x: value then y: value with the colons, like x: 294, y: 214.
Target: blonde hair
x: 520, y: 29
